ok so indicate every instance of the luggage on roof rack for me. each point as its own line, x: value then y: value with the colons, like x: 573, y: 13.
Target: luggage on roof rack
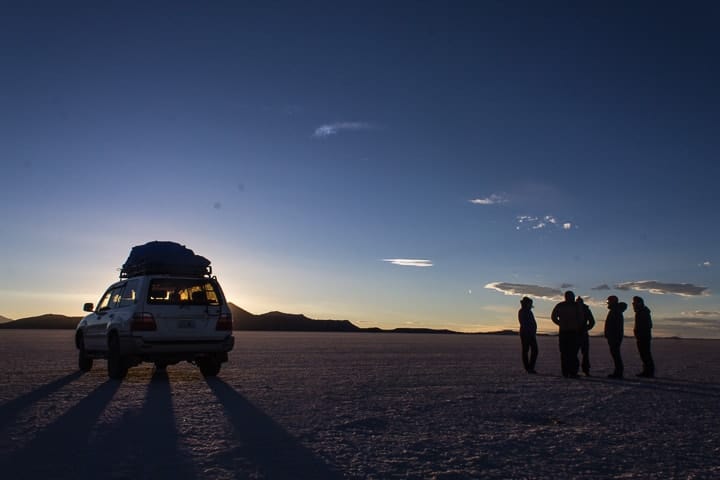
x: 164, y: 257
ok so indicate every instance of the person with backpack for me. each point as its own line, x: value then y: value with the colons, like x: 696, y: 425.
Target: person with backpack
x: 568, y: 317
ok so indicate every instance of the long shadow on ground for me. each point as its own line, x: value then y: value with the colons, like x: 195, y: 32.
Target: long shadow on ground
x: 60, y: 449
x: 144, y: 443
x: 272, y: 450
x: 667, y: 385
x: 10, y: 410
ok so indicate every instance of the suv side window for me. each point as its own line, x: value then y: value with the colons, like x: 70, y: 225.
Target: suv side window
x: 111, y: 299
x: 130, y: 293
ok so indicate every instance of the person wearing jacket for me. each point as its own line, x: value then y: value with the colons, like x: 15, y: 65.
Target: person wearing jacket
x: 614, y: 325
x: 643, y: 336
x: 569, y: 318
x: 587, y: 324
x: 528, y: 331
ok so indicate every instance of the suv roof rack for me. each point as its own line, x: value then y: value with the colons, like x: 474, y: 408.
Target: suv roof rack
x: 163, y: 268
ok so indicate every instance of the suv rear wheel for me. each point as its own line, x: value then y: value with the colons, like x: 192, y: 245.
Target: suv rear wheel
x: 209, y: 367
x: 117, y: 366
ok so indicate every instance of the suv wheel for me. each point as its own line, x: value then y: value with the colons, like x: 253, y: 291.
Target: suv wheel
x: 209, y: 367
x: 117, y: 367
x: 85, y: 363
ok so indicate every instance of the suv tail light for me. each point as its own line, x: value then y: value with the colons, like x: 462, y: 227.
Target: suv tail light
x: 224, y: 322
x: 143, y: 322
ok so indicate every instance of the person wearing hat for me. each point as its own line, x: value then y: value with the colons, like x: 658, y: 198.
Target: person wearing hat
x: 643, y: 335
x: 528, y: 332
x: 614, y: 325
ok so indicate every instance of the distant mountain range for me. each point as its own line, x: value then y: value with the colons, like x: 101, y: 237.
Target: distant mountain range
x: 242, y: 320
x: 47, y: 321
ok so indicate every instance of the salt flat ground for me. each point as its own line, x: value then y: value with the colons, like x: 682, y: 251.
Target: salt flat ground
x: 326, y: 406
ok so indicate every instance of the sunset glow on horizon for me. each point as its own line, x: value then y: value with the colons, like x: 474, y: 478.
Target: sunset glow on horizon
x: 397, y: 164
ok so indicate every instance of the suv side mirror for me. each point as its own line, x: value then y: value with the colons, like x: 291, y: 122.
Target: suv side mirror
x: 88, y: 307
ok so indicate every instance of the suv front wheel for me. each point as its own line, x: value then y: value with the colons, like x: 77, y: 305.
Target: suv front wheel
x: 85, y: 362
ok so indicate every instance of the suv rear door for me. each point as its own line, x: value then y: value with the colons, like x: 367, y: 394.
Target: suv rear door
x: 184, y: 308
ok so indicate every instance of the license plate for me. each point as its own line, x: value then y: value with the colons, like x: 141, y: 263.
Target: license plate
x: 186, y: 323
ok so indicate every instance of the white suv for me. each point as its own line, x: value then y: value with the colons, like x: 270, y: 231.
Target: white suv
x: 160, y: 318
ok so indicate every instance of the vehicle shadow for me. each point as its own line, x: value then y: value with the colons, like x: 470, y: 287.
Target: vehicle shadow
x: 58, y: 451
x: 664, y: 384
x: 271, y: 449
x: 144, y: 443
x: 10, y: 410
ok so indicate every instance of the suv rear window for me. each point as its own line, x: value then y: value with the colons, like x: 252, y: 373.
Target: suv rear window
x: 182, y: 291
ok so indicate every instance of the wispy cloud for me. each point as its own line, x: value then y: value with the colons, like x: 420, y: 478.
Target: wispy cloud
x: 682, y: 289
x: 409, y: 262
x: 604, y: 286
x: 493, y: 199
x: 531, y: 222
x: 519, y: 289
x: 593, y: 302
x: 334, y: 128
x: 702, y: 313
x: 706, y: 264
x: 699, y: 326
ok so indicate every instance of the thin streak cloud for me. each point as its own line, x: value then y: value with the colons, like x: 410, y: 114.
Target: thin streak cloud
x: 698, y: 326
x: 702, y: 313
x: 493, y: 199
x: 519, y: 289
x: 409, y: 262
x: 327, y: 130
x: 659, y: 288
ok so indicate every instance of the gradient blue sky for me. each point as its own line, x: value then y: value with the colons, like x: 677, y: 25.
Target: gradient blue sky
x: 512, y: 147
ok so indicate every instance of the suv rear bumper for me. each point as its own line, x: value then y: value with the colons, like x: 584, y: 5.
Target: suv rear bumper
x: 137, y: 346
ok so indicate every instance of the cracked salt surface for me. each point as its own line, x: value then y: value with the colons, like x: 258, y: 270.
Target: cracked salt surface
x: 381, y: 406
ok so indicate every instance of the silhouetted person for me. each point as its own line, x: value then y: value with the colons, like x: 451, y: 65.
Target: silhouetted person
x: 588, y: 322
x: 568, y: 317
x: 528, y: 332
x: 643, y: 335
x: 614, y: 325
